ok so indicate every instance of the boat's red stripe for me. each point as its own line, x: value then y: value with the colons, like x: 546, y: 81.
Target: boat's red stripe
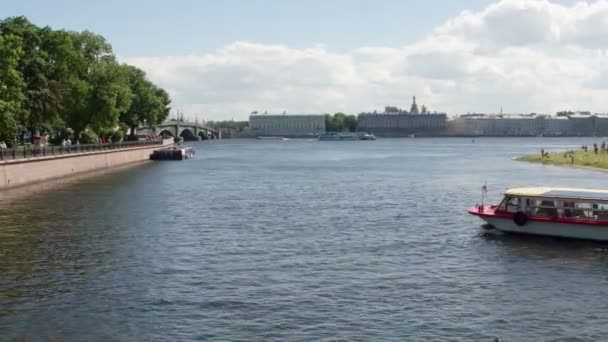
x: 487, y: 212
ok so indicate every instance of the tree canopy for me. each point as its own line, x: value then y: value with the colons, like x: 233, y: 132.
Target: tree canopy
x: 236, y: 125
x: 340, y: 122
x: 65, y: 83
x: 12, y: 86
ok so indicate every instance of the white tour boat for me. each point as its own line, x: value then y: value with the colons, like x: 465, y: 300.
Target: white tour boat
x: 562, y: 212
x: 335, y: 136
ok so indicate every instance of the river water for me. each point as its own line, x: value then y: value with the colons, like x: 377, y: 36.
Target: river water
x: 299, y: 240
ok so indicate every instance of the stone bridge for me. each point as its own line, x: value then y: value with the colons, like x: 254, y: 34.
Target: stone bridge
x: 184, y: 129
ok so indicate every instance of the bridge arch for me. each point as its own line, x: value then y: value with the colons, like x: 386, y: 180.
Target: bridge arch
x: 166, y: 132
x: 187, y: 134
x: 186, y: 130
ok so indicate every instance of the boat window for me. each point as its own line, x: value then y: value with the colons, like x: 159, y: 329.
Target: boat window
x: 545, y: 208
x: 583, y: 211
x: 600, y: 212
x: 567, y: 209
x: 503, y: 204
x: 590, y: 211
x: 512, y: 204
x: 531, y: 206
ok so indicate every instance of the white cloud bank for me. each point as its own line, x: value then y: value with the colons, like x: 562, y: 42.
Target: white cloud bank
x: 523, y: 55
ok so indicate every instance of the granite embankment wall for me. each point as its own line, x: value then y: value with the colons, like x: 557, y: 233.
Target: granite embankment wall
x: 14, y: 173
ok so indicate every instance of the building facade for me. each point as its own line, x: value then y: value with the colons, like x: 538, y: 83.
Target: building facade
x: 402, y: 124
x: 286, y: 124
x: 398, y: 122
x: 575, y: 124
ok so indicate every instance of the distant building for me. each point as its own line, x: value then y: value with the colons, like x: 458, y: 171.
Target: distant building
x: 564, y: 124
x: 600, y: 124
x: 398, y: 122
x: 554, y: 125
x: 587, y: 124
x: 286, y: 124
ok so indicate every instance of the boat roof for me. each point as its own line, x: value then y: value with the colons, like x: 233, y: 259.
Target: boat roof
x: 573, y: 193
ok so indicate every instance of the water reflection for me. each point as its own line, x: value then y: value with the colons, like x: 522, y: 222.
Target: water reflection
x: 46, y: 239
x: 545, y: 246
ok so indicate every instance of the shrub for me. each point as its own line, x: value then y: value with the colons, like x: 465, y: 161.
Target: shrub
x: 105, y: 133
x: 117, y: 136
x: 88, y: 137
x: 55, y: 140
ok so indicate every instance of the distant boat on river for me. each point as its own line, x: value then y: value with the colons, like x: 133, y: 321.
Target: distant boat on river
x: 271, y: 138
x: 334, y: 136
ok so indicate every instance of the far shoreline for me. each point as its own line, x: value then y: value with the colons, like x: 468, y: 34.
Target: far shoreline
x: 579, y: 159
x: 417, y: 136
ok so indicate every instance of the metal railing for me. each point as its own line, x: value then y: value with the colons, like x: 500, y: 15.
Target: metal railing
x: 24, y: 152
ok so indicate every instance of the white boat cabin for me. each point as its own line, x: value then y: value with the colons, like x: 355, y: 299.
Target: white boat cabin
x: 556, y: 203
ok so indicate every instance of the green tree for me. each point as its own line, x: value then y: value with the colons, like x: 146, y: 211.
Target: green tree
x: 66, y: 82
x: 62, y: 72
x: 75, y: 114
x: 334, y: 123
x: 110, y: 95
x: 340, y: 122
x: 150, y: 105
x: 236, y: 125
x: 328, y: 123
x: 11, y: 86
x: 97, y: 88
x: 351, y: 123
x: 165, y: 105
x: 42, y: 96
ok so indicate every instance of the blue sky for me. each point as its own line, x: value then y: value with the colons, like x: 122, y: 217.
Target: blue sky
x: 224, y: 59
x: 155, y: 27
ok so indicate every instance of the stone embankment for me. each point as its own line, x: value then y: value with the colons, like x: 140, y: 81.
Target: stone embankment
x: 24, y: 171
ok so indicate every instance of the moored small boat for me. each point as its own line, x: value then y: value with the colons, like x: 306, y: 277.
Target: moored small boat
x: 173, y: 153
x: 560, y: 212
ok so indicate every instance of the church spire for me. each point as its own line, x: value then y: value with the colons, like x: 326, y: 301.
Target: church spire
x: 414, y: 108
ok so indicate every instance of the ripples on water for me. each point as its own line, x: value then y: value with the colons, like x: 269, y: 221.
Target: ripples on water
x: 298, y: 240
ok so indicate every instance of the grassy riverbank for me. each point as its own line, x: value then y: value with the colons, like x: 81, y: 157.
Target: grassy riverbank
x: 570, y: 158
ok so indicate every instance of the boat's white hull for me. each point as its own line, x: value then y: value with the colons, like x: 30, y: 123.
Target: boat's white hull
x: 559, y: 229
x: 271, y: 138
x: 346, y: 137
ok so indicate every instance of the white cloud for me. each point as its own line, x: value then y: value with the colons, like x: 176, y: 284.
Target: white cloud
x: 523, y: 55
